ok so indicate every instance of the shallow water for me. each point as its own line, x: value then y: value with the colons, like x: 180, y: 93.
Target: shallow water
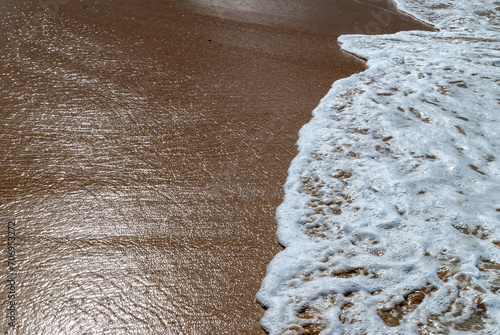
x: 144, y: 146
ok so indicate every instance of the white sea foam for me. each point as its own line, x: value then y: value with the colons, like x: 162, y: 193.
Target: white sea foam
x: 391, y: 216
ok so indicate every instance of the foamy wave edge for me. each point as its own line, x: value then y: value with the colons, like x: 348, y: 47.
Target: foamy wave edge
x: 391, y: 213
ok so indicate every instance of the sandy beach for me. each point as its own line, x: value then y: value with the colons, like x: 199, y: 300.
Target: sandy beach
x: 144, y: 147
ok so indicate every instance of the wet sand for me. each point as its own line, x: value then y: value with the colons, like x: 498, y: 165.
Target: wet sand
x: 144, y: 147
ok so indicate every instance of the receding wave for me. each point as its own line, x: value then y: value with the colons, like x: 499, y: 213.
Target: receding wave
x: 391, y: 216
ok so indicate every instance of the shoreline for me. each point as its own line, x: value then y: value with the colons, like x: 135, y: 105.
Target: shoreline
x: 390, y: 214
x: 156, y: 140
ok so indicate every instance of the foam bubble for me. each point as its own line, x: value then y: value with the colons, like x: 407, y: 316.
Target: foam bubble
x: 392, y: 206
